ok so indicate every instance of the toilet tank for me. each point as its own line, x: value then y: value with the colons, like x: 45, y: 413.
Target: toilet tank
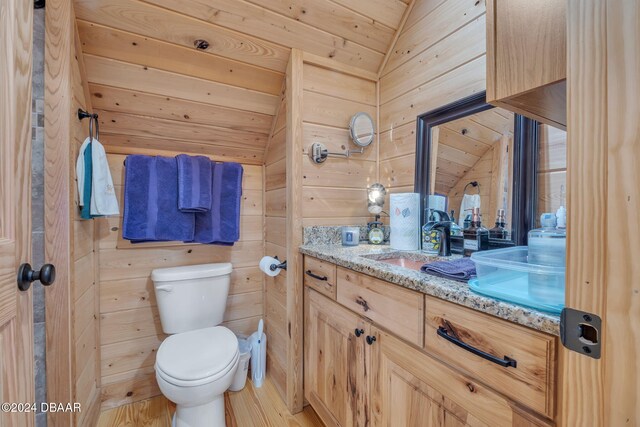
x: 191, y: 297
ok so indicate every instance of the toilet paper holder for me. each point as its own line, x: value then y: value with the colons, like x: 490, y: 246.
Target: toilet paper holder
x: 282, y: 265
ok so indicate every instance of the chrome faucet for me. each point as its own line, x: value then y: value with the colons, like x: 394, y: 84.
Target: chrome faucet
x: 444, y: 225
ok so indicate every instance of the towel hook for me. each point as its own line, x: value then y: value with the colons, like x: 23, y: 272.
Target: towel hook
x: 92, y: 117
x: 475, y: 184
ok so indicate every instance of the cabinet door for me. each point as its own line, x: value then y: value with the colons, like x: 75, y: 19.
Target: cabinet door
x: 410, y: 388
x: 336, y: 362
x: 526, y: 58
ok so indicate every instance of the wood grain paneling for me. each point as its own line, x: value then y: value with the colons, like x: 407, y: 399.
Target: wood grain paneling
x: 275, y: 245
x: 109, y: 42
x: 163, y: 107
x: 142, y: 78
x: 130, y: 325
x: 16, y: 307
x: 158, y: 23
x: 258, y: 21
x: 72, y: 319
x: 432, y: 28
x: 602, y: 270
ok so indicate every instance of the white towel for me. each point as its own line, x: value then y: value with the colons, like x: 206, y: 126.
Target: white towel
x: 103, y: 193
x: 80, y: 171
x: 469, y: 201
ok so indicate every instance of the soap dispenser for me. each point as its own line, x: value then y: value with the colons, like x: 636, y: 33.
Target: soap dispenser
x: 499, y: 231
x: 431, y: 237
x: 476, y: 237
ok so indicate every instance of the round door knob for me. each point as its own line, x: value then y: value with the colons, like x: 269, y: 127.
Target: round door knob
x: 359, y: 332
x: 46, y: 275
x: 370, y: 339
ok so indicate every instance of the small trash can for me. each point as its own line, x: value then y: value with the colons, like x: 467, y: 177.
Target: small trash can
x: 240, y: 377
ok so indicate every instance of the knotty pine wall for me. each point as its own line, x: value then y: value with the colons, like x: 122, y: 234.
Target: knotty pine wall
x: 482, y: 172
x: 552, y: 169
x: 85, y: 260
x: 326, y: 96
x: 334, y: 192
x: 72, y: 327
x: 275, y: 295
x: 129, y: 320
x: 439, y: 58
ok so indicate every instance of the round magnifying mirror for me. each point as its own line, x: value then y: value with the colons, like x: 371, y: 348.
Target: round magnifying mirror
x: 362, y: 129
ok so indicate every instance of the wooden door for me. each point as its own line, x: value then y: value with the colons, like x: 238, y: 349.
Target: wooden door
x: 336, y: 362
x: 16, y: 324
x: 603, y: 181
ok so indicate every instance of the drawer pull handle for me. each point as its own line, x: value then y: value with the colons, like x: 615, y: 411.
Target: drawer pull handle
x: 506, y: 362
x: 359, y: 332
x: 315, y: 276
x: 370, y: 339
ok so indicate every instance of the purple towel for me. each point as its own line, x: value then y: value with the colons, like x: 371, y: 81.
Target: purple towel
x: 221, y: 225
x: 194, y: 183
x: 461, y: 269
x: 151, y: 201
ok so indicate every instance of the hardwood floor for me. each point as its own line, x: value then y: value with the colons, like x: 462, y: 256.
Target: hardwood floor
x: 251, y: 407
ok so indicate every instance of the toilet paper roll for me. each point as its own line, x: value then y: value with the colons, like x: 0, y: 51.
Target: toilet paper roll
x: 405, y: 221
x: 266, y: 263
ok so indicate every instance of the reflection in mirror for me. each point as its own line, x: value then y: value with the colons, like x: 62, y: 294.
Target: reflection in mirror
x: 362, y: 129
x: 470, y: 153
x: 472, y: 166
x: 552, y: 170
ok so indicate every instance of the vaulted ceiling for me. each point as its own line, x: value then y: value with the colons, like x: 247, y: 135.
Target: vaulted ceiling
x: 463, y: 142
x: 205, y: 76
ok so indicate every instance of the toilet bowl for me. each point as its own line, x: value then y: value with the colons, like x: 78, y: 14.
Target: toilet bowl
x: 193, y: 370
x: 195, y: 365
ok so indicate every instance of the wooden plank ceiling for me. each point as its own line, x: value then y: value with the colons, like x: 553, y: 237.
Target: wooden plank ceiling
x: 154, y: 90
x: 463, y: 142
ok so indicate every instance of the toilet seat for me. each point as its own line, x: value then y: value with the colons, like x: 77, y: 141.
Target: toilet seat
x: 197, y: 357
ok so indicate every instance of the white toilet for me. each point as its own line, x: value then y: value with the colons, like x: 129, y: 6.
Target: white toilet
x: 196, y: 363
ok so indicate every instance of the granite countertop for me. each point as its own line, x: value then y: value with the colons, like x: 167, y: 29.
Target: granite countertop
x: 449, y: 290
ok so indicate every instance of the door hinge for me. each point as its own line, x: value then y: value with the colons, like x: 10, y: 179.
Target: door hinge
x: 581, y: 332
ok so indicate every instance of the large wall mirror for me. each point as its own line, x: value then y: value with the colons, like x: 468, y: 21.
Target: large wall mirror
x: 472, y: 154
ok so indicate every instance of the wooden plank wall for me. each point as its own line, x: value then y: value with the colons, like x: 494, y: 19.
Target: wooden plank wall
x: 320, y: 98
x: 439, y: 58
x: 129, y: 320
x: 357, y: 33
x: 73, y: 368
x: 334, y: 192
x: 552, y: 169
x: 85, y: 259
x: 275, y: 295
x: 481, y: 172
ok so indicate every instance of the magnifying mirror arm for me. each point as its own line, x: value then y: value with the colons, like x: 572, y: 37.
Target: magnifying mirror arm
x: 319, y: 152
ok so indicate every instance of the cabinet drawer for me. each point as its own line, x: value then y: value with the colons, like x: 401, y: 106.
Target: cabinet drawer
x: 321, y: 276
x: 413, y: 389
x: 396, y: 309
x: 530, y: 382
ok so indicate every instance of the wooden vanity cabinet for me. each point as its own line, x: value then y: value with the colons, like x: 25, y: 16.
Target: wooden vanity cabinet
x: 336, y: 362
x: 527, y: 58
x: 413, y: 389
x: 364, y: 367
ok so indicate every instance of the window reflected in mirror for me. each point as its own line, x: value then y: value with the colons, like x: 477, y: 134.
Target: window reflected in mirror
x: 472, y: 166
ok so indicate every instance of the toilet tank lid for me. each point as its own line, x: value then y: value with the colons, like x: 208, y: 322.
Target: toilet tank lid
x: 191, y: 272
